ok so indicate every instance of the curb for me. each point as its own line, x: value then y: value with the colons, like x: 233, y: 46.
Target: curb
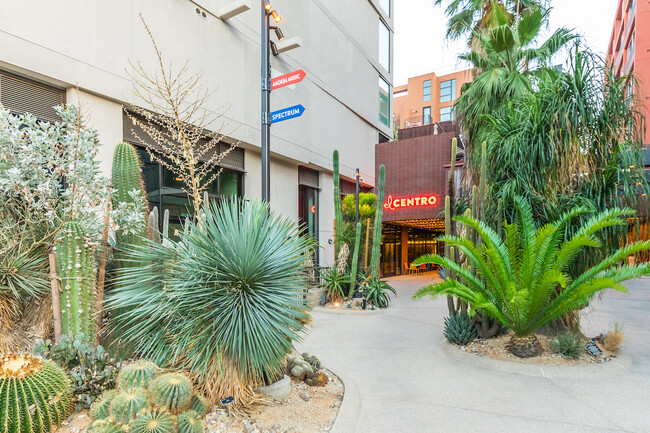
x: 347, y: 312
x: 349, y: 414
x: 611, y: 368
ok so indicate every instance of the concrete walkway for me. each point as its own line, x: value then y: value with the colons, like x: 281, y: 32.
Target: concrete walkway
x: 400, y: 378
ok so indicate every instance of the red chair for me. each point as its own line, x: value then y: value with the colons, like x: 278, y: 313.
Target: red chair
x: 422, y: 268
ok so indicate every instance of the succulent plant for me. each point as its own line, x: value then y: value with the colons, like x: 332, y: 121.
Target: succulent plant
x: 75, y: 258
x: 107, y: 425
x: 199, y: 404
x: 376, y: 234
x: 138, y: 374
x: 459, y: 329
x: 100, y: 408
x: 126, y: 405
x: 172, y: 391
x: 338, y: 210
x: 189, y: 422
x: 35, y: 394
x: 319, y: 379
x: 155, y: 421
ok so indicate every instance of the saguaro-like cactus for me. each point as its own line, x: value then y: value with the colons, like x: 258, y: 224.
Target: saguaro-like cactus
x: 338, y: 210
x: 355, y: 260
x: 35, y: 394
x: 75, y: 257
x: 376, y: 234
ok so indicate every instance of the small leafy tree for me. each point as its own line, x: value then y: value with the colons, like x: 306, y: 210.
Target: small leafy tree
x: 523, y: 279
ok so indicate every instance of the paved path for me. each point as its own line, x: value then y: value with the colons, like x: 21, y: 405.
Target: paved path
x: 399, y: 378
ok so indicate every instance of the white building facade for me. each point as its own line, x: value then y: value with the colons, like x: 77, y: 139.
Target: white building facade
x: 78, y: 51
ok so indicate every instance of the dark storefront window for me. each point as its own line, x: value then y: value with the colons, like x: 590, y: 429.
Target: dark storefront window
x: 421, y: 242
x: 391, y: 250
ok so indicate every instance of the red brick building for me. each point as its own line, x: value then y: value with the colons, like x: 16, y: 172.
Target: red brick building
x: 417, y: 173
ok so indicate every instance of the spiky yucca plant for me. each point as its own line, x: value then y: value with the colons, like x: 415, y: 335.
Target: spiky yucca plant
x: 35, y: 394
x: 523, y: 279
x: 225, y: 303
x: 459, y: 329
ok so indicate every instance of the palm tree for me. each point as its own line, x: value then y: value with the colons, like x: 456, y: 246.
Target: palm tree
x: 468, y: 16
x: 522, y: 278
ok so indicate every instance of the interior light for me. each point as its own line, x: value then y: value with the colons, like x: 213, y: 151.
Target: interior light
x: 267, y: 6
x: 277, y: 18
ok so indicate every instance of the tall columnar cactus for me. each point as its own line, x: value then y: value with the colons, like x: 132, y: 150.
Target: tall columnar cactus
x: 126, y: 405
x: 355, y: 261
x: 190, y: 422
x: 155, y: 421
x: 172, y: 391
x: 138, y: 374
x: 35, y: 394
x: 338, y: 210
x: 376, y: 234
x: 75, y: 257
x: 126, y: 178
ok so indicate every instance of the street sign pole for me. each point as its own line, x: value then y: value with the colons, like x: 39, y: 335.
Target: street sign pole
x: 266, y: 106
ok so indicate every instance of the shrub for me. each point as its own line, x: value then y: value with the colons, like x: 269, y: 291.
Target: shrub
x: 334, y: 281
x: 34, y: 394
x: 459, y: 329
x: 225, y: 303
x: 92, y: 370
x: 614, y: 338
x: 568, y: 345
x: 376, y: 291
x: 523, y: 279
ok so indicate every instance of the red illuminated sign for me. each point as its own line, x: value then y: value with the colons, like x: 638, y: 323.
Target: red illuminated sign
x: 287, y: 79
x: 398, y: 203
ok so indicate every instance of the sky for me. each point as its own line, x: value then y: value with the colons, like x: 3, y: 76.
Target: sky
x: 420, y: 45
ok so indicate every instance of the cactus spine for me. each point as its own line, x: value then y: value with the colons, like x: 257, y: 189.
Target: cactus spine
x: 376, y: 234
x: 172, y: 391
x: 137, y: 375
x: 338, y: 210
x: 126, y: 405
x: 355, y: 260
x: 157, y: 421
x: 35, y: 394
x: 75, y: 256
x: 100, y: 407
x: 190, y: 422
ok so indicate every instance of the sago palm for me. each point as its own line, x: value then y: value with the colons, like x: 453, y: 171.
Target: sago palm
x: 522, y: 278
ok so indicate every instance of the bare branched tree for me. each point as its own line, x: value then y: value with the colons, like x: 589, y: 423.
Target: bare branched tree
x: 177, y: 120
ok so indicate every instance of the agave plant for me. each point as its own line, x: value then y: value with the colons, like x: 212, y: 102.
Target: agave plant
x: 376, y: 291
x: 334, y: 282
x: 523, y: 279
x: 224, y: 303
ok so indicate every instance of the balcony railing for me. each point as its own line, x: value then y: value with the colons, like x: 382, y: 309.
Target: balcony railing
x: 417, y: 121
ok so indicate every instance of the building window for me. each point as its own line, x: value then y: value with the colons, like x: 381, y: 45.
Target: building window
x: 384, y: 102
x: 630, y: 52
x: 448, y: 91
x: 385, y: 5
x: 447, y: 114
x: 164, y: 190
x: 384, y: 45
x: 426, y: 90
x: 426, y: 116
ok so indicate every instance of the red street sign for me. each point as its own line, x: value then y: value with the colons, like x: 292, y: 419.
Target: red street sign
x: 287, y: 79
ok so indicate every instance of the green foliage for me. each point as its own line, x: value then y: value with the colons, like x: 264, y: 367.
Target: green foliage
x: 333, y: 282
x: 138, y: 374
x: 190, y: 422
x: 75, y: 258
x: 227, y: 297
x: 569, y: 345
x: 101, y: 406
x: 126, y: 405
x: 376, y: 234
x: 376, y: 291
x: 34, y: 394
x: 199, y: 404
x: 367, y: 207
x: 172, y: 391
x: 156, y: 421
x: 355, y: 261
x: 522, y: 279
x: 459, y: 329
x: 92, y: 370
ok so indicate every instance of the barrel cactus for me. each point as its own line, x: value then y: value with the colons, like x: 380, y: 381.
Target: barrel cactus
x: 75, y: 257
x: 189, y: 422
x: 100, y: 407
x: 172, y: 391
x: 199, y: 404
x: 138, y: 374
x: 156, y: 421
x: 35, y: 394
x: 107, y: 425
x: 126, y: 405
x: 459, y: 329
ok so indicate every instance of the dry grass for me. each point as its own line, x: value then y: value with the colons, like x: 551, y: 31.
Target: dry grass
x: 614, y: 339
x: 18, y: 334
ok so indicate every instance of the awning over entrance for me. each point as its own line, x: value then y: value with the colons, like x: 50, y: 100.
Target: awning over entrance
x: 435, y: 224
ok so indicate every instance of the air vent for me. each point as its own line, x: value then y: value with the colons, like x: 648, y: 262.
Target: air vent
x: 21, y: 96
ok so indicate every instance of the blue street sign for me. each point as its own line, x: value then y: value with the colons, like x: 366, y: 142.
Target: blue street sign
x: 287, y: 113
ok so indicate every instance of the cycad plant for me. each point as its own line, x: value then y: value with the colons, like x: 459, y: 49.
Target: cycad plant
x: 225, y: 303
x: 522, y: 279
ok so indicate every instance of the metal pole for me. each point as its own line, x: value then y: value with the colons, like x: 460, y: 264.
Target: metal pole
x: 266, y: 106
x: 357, y: 197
